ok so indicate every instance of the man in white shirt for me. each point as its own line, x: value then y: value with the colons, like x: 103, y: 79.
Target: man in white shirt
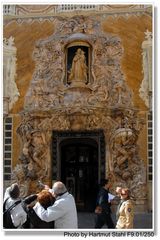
x: 63, y: 211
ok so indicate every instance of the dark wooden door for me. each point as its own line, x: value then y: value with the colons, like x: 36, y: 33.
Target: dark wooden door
x: 79, y: 171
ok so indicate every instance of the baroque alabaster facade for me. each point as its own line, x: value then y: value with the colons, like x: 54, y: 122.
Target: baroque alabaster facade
x: 49, y: 89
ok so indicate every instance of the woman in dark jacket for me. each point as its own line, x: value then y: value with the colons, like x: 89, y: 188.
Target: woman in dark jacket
x: 103, y: 216
x: 46, y: 199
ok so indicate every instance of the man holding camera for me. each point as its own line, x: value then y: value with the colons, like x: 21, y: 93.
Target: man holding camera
x: 63, y: 211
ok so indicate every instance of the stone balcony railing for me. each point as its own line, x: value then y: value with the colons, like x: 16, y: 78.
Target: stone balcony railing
x: 9, y: 10
x: 28, y: 10
x: 73, y: 7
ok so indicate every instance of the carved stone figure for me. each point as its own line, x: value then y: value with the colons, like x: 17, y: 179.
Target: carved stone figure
x: 78, y: 72
x: 125, y: 165
x: 39, y: 152
x: 10, y: 91
x: 19, y: 176
x: 123, y: 152
x: 80, y: 25
x: 100, y: 94
x: 146, y: 85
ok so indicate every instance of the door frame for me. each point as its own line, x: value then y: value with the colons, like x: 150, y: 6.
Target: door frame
x: 59, y: 136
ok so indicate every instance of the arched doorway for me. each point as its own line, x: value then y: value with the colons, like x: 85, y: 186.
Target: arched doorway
x: 79, y: 170
x: 78, y: 159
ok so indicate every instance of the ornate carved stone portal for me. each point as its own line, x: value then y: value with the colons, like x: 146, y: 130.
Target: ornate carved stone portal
x: 78, y: 85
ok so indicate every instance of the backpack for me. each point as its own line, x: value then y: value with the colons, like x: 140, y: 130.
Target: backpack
x: 7, y: 220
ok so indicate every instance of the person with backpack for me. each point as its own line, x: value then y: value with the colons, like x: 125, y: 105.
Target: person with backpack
x: 14, y: 215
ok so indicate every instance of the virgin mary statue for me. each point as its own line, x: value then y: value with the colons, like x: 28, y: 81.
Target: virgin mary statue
x: 78, y: 71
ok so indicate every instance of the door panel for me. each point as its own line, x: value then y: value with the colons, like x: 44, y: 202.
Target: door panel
x: 79, y: 171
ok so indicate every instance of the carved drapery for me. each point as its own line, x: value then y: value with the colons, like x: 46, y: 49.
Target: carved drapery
x: 10, y: 91
x: 105, y: 102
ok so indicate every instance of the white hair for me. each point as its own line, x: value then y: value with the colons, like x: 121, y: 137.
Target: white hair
x: 59, y: 188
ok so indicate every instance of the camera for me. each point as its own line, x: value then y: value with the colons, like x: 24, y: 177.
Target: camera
x: 40, y: 184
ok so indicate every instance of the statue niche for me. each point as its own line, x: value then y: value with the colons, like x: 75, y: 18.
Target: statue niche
x: 78, y: 65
